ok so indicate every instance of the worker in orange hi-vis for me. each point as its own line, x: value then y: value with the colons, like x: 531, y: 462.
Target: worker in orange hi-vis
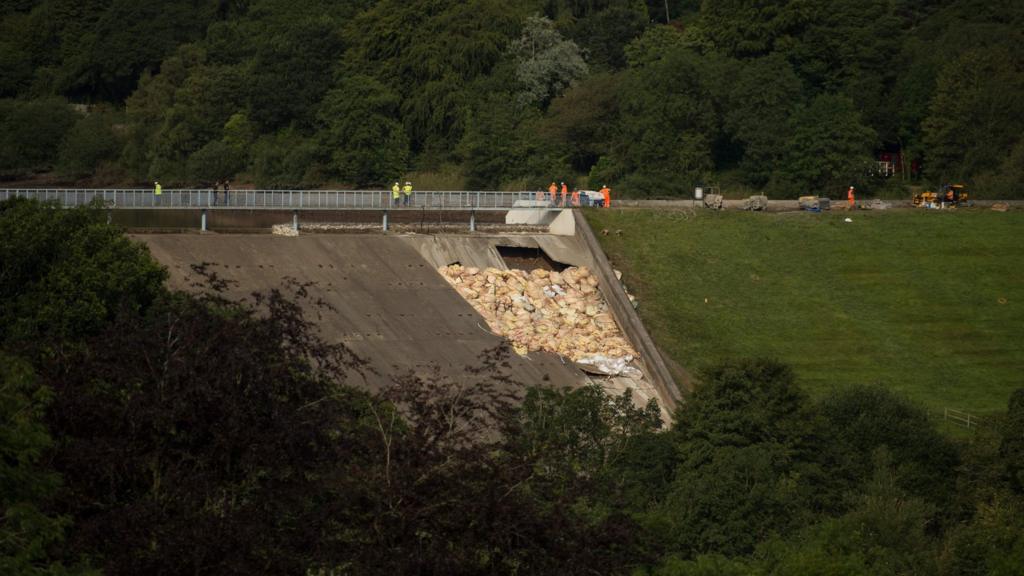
x: 575, y: 197
x: 607, y: 193
x: 565, y: 193
x: 850, y: 197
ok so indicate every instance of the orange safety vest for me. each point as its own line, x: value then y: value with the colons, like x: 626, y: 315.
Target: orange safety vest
x: 607, y: 193
x: 575, y: 197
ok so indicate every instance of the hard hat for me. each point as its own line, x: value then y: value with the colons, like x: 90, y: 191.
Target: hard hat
x: 409, y: 183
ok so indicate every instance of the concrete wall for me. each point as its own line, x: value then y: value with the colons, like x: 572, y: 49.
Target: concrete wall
x: 655, y: 368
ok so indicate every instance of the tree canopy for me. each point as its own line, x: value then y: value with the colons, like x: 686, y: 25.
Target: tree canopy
x: 782, y: 96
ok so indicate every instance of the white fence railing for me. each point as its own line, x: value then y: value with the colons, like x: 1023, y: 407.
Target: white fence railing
x: 280, y: 199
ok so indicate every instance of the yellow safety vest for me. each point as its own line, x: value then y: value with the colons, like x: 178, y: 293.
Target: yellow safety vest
x: 395, y: 190
x: 159, y: 190
x: 407, y: 189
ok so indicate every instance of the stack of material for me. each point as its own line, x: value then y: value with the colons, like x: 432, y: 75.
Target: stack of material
x: 560, y: 312
x: 284, y: 230
x: 814, y: 203
x: 756, y: 203
x: 808, y: 202
x: 713, y: 201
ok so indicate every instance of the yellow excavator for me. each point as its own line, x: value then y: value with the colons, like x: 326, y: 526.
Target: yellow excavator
x: 950, y: 195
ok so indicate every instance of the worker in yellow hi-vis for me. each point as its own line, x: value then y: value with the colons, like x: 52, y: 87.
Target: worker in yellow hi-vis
x: 157, y: 191
x: 407, y: 193
x: 396, y: 192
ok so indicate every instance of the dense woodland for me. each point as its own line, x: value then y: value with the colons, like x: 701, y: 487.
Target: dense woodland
x: 782, y: 96
x: 145, y: 431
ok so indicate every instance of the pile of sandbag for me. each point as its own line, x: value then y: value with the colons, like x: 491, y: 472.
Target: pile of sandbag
x: 283, y: 230
x: 560, y: 312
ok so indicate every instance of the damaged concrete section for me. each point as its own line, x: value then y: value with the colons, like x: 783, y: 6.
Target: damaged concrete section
x: 388, y: 303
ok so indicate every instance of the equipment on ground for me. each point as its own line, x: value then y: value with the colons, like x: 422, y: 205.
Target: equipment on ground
x: 814, y: 203
x: 950, y: 195
x: 756, y: 203
x: 714, y: 201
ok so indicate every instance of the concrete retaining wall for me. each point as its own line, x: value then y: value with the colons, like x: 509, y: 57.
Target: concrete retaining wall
x: 656, y: 370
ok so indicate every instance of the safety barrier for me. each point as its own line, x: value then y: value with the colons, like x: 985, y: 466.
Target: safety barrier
x: 171, y: 198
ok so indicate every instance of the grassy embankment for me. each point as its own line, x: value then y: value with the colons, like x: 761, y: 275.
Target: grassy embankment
x: 929, y: 304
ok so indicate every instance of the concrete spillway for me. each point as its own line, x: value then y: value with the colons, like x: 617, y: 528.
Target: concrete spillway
x: 390, y: 306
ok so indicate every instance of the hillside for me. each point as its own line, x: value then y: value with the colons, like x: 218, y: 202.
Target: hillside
x: 652, y: 97
x: 928, y: 304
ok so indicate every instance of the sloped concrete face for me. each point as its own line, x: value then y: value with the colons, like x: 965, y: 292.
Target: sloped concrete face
x: 390, y: 305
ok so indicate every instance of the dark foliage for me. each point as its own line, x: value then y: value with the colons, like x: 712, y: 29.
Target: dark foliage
x: 651, y: 97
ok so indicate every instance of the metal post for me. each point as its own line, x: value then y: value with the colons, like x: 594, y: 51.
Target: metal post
x: 203, y: 220
x: 385, y: 220
x: 472, y: 220
x: 295, y: 220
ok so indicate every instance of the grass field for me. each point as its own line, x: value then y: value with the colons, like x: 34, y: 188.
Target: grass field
x: 930, y: 304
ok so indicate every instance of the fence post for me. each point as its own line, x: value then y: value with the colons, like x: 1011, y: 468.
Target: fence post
x: 202, y: 222
x: 295, y: 220
x: 385, y: 220
x: 472, y: 220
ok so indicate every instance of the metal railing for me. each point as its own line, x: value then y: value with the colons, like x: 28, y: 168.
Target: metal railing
x: 279, y: 199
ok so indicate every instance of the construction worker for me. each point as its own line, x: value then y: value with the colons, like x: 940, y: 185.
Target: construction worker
x: 850, y: 198
x: 157, y: 191
x: 575, y: 197
x: 552, y: 192
x: 606, y: 192
x: 407, y: 192
x: 565, y: 193
x: 396, y: 192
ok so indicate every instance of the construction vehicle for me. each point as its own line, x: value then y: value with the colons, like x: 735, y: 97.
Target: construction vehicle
x: 950, y: 195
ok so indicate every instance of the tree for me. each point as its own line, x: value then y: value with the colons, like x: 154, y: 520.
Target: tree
x: 582, y: 121
x: 286, y: 159
x: 666, y: 127
x: 749, y: 463
x: 602, y: 34
x: 292, y: 72
x: 975, y: 117
x: 90, y: 143
x: 28, y: 531
x: 864, y: 420
x: 359, y: 132
x: 202, y: 434
x: 66, y: 274
x: 1011, y: 448
x: 830, y: 148
x: 501, y: 143
x: 546, y: 64
x: 215, y: 161
x: 31, y: 133
x: 757, y: 104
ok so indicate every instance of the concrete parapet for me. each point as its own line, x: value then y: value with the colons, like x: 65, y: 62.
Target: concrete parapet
x: 618, y: 302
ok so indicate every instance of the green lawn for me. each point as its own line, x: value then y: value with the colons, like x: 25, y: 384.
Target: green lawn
x: 930, y: 304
